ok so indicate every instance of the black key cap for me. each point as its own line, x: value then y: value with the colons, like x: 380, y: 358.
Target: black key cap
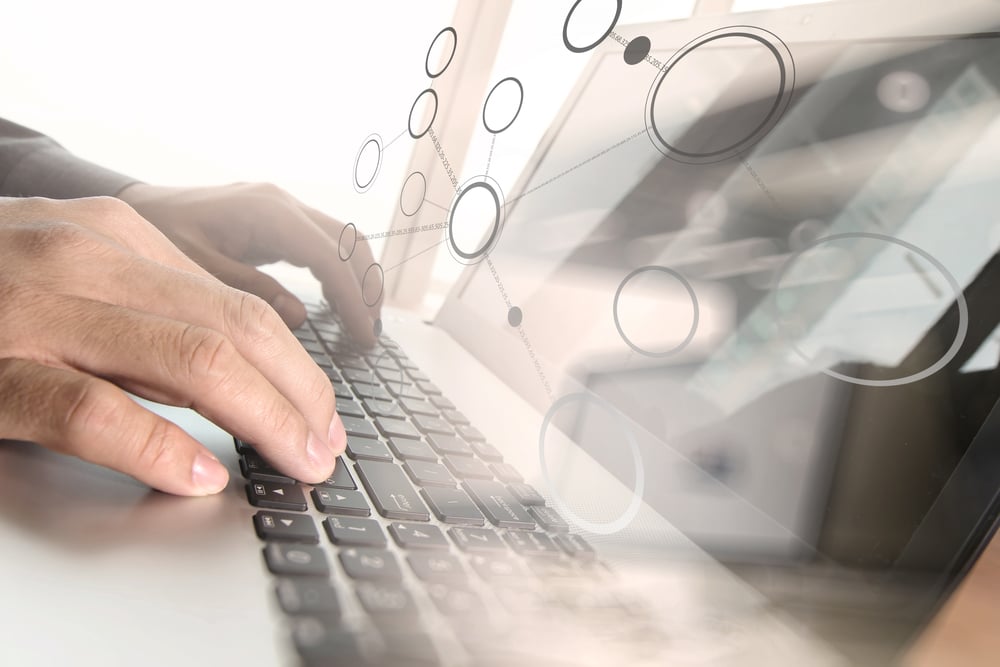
x: 498, y: 505
x: 367, y: 448
x: 391, y: 376
x: 393, y: 495
x: 353, y: 375
x: 575, y: 546
x: 362, y: 563
x: 487, y: 452
x: 377, y: 408
x: 415, y: 407
x: 404, y: 390
x: 313, y: 347
x: 242, y: 447
x: 449, y: 444
x: 466, y: 468
x: 342, y: 391
x: 454, y: 416
x: 296, y: 560
x: 380, y: 599
x: 418, y: 536
x: 274, y: 496
x: 470, y: 433
x: 549, y: 519
x: 350, y: 407
x: 354, y: 532
x: 398, y: 427
x: 531, y: 544
x: 359, y: 427
x: 455, y: 600
x: 322, y: 360
x: 281, y: 527
x: 341, y: 501
x: 426, y: 473
x: 428, y: 387
x: 316, y: 642
x: 477, y: 539
x: 257, y: 469
x: 346, y: 361
x: 453, y: 506
x: 526, y: 494
x: 442, y: 403
x: 371, y: 391
x: 333, y: 375
x: 341, y: 477
x: 304, y: 333
x: 491, y: 567
x: 505, y: 472
x: 433, y: 566
x: 407, y: 449
x: 429, y: 424
x: 307, y: 596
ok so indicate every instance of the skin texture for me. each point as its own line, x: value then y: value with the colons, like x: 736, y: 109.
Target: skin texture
x: 96, y: 300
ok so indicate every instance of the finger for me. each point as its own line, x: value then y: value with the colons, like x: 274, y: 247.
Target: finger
x: 360, y: 258
x: 77, y: 414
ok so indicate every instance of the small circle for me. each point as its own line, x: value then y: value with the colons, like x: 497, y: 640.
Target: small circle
x: 583, y: 49
x: 379, y: 276
x: 367, y: 163
x: 638, y: 490
x: 411, y: 195
x: 433, y: 100
x: 503, y: 112
x: 694, y: 307
x: 478, y: 207
x: 903, y: 91
x: 637, y: 50
x: 514, y: 316
x: 451, y: 36
x: 377, y: 327
x: 354, y: 242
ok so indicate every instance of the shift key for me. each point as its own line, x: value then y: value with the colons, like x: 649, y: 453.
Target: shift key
x: 498, y: 504
x: 392, y: 493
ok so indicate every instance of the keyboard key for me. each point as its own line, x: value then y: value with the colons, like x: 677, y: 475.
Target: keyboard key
x: 296, y: 560
x: 345, y: 531
x: 341, y: 501
x: 575, y: 546
x: 341, y: 477
x: 380, y: 599
x: 405, y: 362
x: 358, y: 427
x: 257, y: 469
x: 428, y: 387
x: 505, y: 472
x: 415, y: 407
x: 377, y: 408
x: 350, y: 407
x: 429, y: 424
x: 454, y: 416
x: 342, y: 391
x: 449, y: 444
x: 417, y: 375
x: 345, y: 361
x: 531, y: 544
x: 405, y: 391
x: 315, y: 641
x: 442, y: 403
x: 417, y: 536
x: 370, y: 564
x: 282, y: 527
x: 426, y: 473
x: 393, y: 495
x: 271, y: 495
x: 307, y: 596
x: 431, y: 566
x: 470, y: 433
x: 477, y: 539
x: 371, y: 391
x: 498, y: 504
x: 491, y: 567
x: 322, y: 360
x: 525, y: 494
x: 407, y: 449
x: 304, y: 334
x: 242, y: 447
x: 453, y: 506
x: 396, y: 427
x: 466, y: 468
x: 455, y: 600
x: 487, y: 452
x: 391, y: 376
x: 367, y: 448
x: 313, y: 346
x: 549, y: 519
x: 353, y: 375
x: 333, y: 375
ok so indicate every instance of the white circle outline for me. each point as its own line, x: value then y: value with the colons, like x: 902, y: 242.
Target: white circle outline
x: 477, y: 256
x: 695, y: 316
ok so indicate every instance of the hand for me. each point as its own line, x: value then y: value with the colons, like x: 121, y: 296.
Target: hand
x: 93, y: 296
x: 230, y: 229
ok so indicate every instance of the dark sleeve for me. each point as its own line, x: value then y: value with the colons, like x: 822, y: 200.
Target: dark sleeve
x: 33, y: 165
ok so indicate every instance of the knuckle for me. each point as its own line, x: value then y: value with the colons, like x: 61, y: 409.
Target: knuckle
x: 252, y: 319
x: 207, y: 356
x: 109, y: 207
x: 155, y: 450
x: 52, y: 238
x: 92, y: 408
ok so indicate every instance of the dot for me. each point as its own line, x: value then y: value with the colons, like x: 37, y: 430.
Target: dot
x: 637, y: 50
x: 378, y: 327
x: 514, y: 316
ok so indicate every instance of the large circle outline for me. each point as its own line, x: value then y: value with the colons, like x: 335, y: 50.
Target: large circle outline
x: 778, y: 108
x: 409, y: 124
x: 696, y: 316
x: 381, y: 288
x: 498, y: 199
x: 520, y: 103
x: 584, y: 49
x: 403, y: 189
x: 963, y: 309
x: 427, y: 58
x: 340, y: 242
x: 639, y: 488
x: 377, y: 140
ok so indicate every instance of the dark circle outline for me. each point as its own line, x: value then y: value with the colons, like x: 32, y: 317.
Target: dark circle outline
x: 963, y: 309
x: 497, y: 222
x: 781, y: 100
x: 520, y: 103
x: 569, y: 15
x: 694, y: 319
x: 430, y: 48
x: 417, y: 210
x: 433, y: 115
x: 380, y: 290
x: 644, y: 55
x: 340, y: 242
x: 377, y: 140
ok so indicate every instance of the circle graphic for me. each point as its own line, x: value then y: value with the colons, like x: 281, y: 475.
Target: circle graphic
x: 500, y: 113
x: 354, y: 241
x: 387, y: 377
x: 637, y: 50
x: 514, y: 316
x: 479, y: 202
x: 903, y: 91
x: 740, y: 34
x: 605, y: 528
x: 569, y: 17
x: 447, y: 33
x: 365, y: 284
x: 694, y: 307
x: 377, y: 327
x: 433, y: 99
x: 367, y: 163
x: 414, y: 183
x: 963, y: 308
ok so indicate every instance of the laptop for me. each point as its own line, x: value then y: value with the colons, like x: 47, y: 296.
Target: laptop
x: 719, y: 390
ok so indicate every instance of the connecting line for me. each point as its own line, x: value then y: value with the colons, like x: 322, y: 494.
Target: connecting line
x: 402, y: 231
x: 444, y: 160
x: 396, y: 266
x: 489, y: 160
x: 575, y: 167
x: 437, y: 205
x: 763, y: 188
x: 394, y: 140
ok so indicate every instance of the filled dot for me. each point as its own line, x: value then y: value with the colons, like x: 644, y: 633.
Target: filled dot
x: 637, y: 50
x: 514, y: 316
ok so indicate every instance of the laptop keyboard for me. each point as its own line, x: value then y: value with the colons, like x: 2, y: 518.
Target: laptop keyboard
x: 425, y: 526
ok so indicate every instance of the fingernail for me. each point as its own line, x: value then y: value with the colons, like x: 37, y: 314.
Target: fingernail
x: 208, y: 474
x: 319, y: 454
x: 290, y: 310
x: 337, y: 436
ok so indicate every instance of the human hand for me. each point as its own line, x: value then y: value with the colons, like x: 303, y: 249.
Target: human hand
x: 230, y: 229
x: 93, y: 296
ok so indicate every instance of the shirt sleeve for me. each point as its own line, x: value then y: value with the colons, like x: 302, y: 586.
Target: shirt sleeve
x: 33, y: 165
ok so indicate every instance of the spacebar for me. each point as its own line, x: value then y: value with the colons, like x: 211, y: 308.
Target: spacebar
x: 391, y: 492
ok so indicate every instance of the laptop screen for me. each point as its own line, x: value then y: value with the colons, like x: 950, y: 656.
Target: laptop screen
x: 779, y: 264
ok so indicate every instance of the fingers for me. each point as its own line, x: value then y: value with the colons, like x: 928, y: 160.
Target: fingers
x: 82, y: 415
x: 360, y: 258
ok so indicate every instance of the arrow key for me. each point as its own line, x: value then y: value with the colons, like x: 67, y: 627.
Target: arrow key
x: 453, y: 506
x: 282, y: 527
x: 477, y: 539
x: 272, y: 495
x: 418, y: 536
x: 354, y: 532
x: 341, y: 501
